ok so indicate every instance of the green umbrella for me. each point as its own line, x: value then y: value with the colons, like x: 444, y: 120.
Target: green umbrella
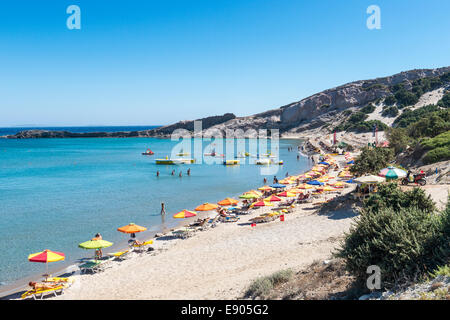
x: 249, y: 196
x: 95, y: 244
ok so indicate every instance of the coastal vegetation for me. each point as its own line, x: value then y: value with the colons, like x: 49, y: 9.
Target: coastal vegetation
x: 262, y: 287
x: 372, y: 160
x: 401, y: 233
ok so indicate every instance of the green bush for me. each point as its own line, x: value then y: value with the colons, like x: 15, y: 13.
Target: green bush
x: 398, y: 139
x: 431, y: 125
x: 411, y: 116
x: 390, y: 100
x: 372, y: 160
x: 396, y: 241
x: 437, y: 155
x: 390, y: 196
x: 445, y: 101
x: 390, y: 112
x: 262, y: 287
x: 368, y: 109
x: 405, y: 98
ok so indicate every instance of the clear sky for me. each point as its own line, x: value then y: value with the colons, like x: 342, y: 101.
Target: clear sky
x: 160, y: 61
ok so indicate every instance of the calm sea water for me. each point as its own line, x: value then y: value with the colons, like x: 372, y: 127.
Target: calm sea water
x: 56, y: 193
x: 14, y: 130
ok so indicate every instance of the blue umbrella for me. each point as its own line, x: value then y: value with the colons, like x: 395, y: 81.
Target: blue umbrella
x: 315, y: 183
x: 323, y: 162
x: 350, y: 181
x: 351, y: 162
x: 278, y: 185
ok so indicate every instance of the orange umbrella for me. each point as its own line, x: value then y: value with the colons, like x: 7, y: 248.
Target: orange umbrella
x: 131, y: 228
x: 185, y: 214
x: 206, y: 207
x: 228, y: 202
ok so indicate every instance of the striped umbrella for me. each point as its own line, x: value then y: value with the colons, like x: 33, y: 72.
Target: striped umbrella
x: 46, y: 256
x: 392, y: 173
x: 185, y: 214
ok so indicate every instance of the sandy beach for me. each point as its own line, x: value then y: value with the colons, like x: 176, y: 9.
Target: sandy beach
x: 219, y: 262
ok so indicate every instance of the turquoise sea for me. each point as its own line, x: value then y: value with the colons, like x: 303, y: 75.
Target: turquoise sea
x: 56, y: 193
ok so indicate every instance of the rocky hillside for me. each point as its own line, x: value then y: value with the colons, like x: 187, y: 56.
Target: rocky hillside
x: 380, y: 99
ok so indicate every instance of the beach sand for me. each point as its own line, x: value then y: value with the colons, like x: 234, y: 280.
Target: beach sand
x: 218, y: 263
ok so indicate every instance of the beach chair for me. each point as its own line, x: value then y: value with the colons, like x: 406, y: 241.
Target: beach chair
x: 91, y: 267
x: 142, y: 246
x: 182, y: 233
x: 39, y: 294
x: 213, y: 222
x: 119, y: 256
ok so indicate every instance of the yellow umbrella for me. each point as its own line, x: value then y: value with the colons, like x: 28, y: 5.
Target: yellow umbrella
x: 304, y: 186
x: 266, y: 188
x: 46, y: 256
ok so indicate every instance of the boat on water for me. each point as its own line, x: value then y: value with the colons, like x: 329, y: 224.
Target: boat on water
x: 231, y: 162
x: 148, y: 152
x: 174, y: 161
x: 268, y: 162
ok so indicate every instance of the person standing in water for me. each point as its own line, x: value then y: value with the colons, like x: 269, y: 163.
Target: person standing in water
x: 157, y: 173
x: 173, y: 172
x: 189, y: 171
x: 180, y: 174
x: 163, y: 209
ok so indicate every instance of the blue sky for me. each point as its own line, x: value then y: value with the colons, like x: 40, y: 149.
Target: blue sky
x: 157, y: 62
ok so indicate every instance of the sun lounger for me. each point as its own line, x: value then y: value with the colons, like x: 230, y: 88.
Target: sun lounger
x: 140, y: 247
x: 182, y: 233
x: 120, y: 255
x: 91, y: 267
x: 35, y: 294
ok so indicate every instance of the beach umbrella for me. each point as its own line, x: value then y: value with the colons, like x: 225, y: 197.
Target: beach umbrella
x: 265, y: 188
x: 285, y: 181
x: 272, y: 198
x: 304, y: 186
x: 228, y: 202
x: 286, y: 194
x: 278, y: 185
x: 95, y: 244
x: 369, y: 179
x: 315, y: 183
x: 261, y: 204
x: 392, y: 173
x: 351, y: 162
x: 206, y: 207
x: 131, y: 228
x: 350, y: 181
x: 295, y: 190
x: 328, y: 188
x: 249, y: 196
x: 325, y: 163
x: 46, y: 256
x: 185, y: 214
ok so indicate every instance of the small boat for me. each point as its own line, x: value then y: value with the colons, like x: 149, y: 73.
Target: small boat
x: 174, y: 161
x: 182, y: 154
x: 231, y: 162
x: 148, y: 152
x: 263, y: 161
